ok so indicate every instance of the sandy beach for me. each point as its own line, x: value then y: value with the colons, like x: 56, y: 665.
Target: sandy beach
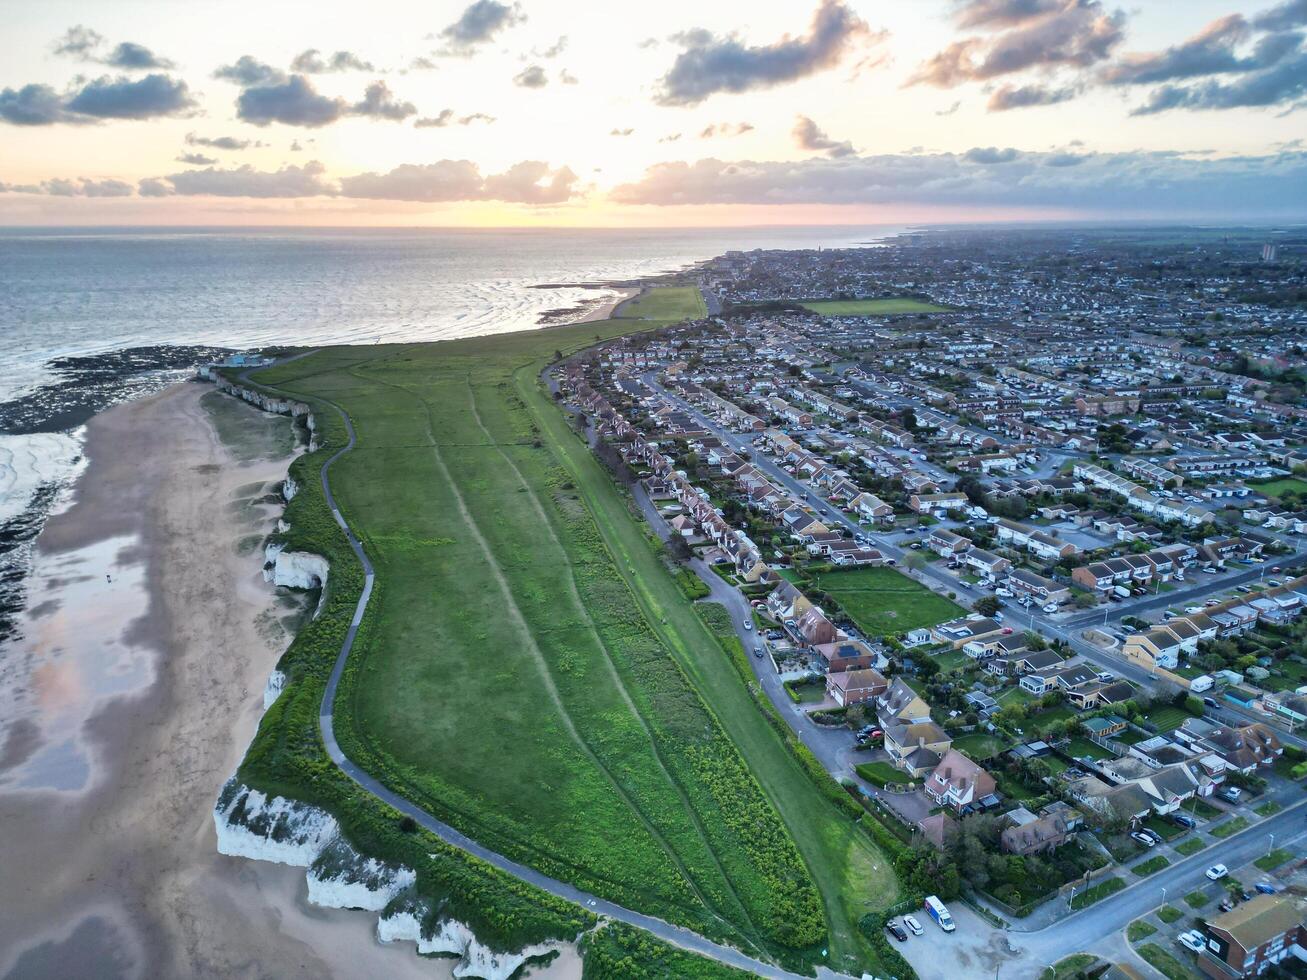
x: 129, y: 700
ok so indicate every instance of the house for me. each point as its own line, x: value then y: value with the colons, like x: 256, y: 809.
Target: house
x: 1159, y: 647
x: 915, y: 748
x: 986, y: 564
x: 1037, y: 542
x: 1042, y: 590
x: 1254, y: 936
x: 1039, y: 835
x: 846, y: 654
x: 944, y: 542
x: 1105, y: 727
x: 926, y: 503
x: 872, y: 508
x: 959, y: 632
x: 901, y: 704
x: 1246, y: 748
x: 959, y: 783
x: 850, y: 687
x: 937, y: 829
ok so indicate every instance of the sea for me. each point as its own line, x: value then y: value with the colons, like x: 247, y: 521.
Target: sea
x: 92, y: 316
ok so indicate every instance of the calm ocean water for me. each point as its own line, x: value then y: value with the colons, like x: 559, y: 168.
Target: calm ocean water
x: 71, y: 291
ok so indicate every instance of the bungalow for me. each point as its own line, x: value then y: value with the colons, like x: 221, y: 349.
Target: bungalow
x: 1097, y: 694
x: 959, y: 632
x: 959, y: 783
x: 849, y: 687
x: 1026, y: 661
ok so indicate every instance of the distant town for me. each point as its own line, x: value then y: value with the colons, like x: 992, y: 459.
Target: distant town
x: 1012, y: 524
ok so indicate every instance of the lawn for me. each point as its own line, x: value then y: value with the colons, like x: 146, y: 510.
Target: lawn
x: 1045, y: 720
x: 1164, y: 828
x: 1140, y: 930
x: 883, y: 600
x: 1079, y: 748
x: 529, y: 672
x: 1269, y: 862
x: 1231, y: 826
x: 1162, y: 961
x: 880, y: 773
x: 1274, y: 488
x: 1097, y: 892
x: 1267, y: 809
x: 1069, y: 967
x: 1169, y: 914
x: 871, y: 307
x: 665, y: 303
x: 1166, y: 717
x: 1151, y: 866
x: 1196, y: 900
x: 980, y: 746
x: 1191, y: 846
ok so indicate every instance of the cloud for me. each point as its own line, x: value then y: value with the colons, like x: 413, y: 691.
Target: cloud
x: 295, y: 147
x: 245, y: 181
x: 422, y: 63
x: 84, y: 44
x: 72, y: 187
x: 36, y: 105
x: 124, y: 98
x: 153, y: 187
x: 379, y: 102
x: 475, y: 117
x: 1283, y: 83
x: 443, y: 118
x: 529, y: 182
x: 950, y: 110
x: 725, y: 129
x: 293, y: 102
x: 567, y: 78
x: 1065, y: 159
x: 248, y: 72
x: 669, y: 138
x: 1035, y: 35
x: 809, y: 136
x: 221, y: 142
x: 311, y: 62
x: 78, y: 42
x: 1134, y: 182
x: 1024, y: 96
x: 533, y: 76
x: 621, y: 132
x: 480, y: 22
x: 196, y: 159
x: 1209, y: 52
x: 991, y: 154
x: 709, y: 64
x: 135, y: 57
x: 1282, y: 17
x: 553, y: 51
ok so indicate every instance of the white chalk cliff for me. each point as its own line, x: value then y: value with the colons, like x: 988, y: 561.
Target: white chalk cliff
x: 452, y: 938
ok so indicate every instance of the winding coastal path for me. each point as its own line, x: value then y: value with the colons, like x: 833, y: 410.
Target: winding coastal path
x: 676, y: 935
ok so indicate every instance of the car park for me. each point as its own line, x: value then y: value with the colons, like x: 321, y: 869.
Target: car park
x: 1217, y: 871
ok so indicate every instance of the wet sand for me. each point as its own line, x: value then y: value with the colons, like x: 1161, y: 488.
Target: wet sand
x: 128, y: 702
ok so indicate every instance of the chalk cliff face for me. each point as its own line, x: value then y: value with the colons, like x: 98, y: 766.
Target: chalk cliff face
x: 299, y: 570
x: 408, y: 920
x: 341, y: 878
x: 272, y: 690
x: 252, y: 825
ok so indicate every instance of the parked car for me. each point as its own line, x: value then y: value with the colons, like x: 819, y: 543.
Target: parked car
x: 748, y: 624
x: 913, y: 925
x: 1210, y: 702
x: 896, y: 930
x: 1144, y: 839
x: 757, y: 652
x: 1230, y: 794
x: 1155, y: 837
x: 1264, y: 888
x: 1191, y: 940
x: 1217, y: 871
x: 1227, y: 904
x: 1184, y: 820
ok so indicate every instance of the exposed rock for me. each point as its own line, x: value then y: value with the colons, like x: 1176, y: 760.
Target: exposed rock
x: 290, y: 488
x: 341, y: 878
x: 408, y: 920
x: 272, y: 690
x: 299, y: 570
x: 252, y: 825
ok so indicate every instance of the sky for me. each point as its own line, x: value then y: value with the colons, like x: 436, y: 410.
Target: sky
x: 543, y: 113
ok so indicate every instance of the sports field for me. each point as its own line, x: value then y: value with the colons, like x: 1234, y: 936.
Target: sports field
x: 664, y: 303
x: 871, y: 307
x: 531, y: 673
x: 882, y: 600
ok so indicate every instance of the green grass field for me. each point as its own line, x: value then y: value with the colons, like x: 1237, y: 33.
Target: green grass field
x: 1140, y: 930
x: 980, y: 746
x: 871, y: 307
x: 882, y: 600
x: 665, y: 303
x: 1191, y: 846
x: 1275, y: 488
x: 531, y: 673
x: 1166, y: 717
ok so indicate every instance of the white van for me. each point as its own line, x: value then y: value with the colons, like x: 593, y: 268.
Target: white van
x: 939, y: 913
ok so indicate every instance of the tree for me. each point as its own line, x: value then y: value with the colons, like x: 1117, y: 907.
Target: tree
x: 986, y: 605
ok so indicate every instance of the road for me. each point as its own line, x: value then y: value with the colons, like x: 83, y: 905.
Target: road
x: 1068, y: 630
x: 676, y: 935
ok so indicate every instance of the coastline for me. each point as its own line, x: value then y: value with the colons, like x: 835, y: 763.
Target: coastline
x: 148, y: 642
